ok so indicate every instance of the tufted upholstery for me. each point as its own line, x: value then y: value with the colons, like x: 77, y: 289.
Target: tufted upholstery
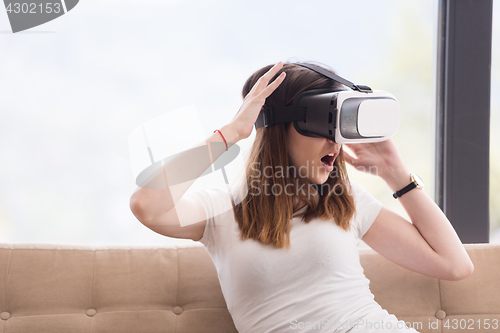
x: 50, y: 288
x: 433, y: 303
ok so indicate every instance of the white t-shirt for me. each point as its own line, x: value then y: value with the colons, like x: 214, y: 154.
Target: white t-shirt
x: 317, y: 285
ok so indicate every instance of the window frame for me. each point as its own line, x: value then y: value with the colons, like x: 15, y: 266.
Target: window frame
x: 463, y: 115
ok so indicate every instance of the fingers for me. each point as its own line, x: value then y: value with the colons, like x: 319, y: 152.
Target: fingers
x: 272, y: 72
x: 357, y: 146
x: 349, y: 159
x: 272, y: 87
x: 264, y: 79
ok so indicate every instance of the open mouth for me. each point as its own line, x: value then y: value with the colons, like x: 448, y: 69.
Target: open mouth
x: 327, y: 161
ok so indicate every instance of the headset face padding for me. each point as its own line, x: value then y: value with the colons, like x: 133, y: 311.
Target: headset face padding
x: 320, y: 113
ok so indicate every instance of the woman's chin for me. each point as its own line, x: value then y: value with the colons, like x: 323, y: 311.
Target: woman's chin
x: 319, y: 180
x: 323, y: 176
x: 320, y: 176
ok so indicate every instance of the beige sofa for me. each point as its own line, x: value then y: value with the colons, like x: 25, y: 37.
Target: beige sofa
x: 50, y: 288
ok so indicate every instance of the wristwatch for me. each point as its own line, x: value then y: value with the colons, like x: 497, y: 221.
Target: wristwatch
x: 416, y: 182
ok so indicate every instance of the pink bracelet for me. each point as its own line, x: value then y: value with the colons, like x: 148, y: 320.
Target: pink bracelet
x: 223, y: 138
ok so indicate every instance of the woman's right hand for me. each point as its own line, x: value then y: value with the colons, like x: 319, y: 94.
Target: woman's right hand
x: 244, y: 120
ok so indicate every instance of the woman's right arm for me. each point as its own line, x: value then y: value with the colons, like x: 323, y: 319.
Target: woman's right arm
x: 158, y: 209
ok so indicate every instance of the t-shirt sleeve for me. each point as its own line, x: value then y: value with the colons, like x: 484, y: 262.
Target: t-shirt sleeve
x: 217, y: 204
x: 367, y: 209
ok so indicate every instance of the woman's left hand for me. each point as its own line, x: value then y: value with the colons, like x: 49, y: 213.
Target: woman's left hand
x: 378, y: 158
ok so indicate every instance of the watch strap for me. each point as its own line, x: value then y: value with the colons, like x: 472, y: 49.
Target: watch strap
x: 405, y: 189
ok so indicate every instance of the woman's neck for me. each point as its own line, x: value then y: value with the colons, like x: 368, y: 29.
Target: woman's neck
x: 297, y: 203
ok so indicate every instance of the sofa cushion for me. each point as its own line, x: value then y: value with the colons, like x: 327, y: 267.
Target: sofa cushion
x: 53, y: 288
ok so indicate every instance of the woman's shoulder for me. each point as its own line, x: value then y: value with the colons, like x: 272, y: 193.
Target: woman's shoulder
x: 355, y: 189
x: 216, y: 199
x: 361, y: 195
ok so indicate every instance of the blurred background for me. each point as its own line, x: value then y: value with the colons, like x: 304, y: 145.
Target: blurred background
x: 72, y: 91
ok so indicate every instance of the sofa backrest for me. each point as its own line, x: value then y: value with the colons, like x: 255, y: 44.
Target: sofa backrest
x: 434, y: 305
x: 50, y: 288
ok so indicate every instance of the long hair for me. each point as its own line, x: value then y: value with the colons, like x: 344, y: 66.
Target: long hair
x: 266, y: 211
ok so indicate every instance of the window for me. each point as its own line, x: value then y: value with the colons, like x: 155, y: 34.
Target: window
x: 74, y: 91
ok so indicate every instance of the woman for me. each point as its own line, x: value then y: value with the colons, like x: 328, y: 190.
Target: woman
x: 286, y: 254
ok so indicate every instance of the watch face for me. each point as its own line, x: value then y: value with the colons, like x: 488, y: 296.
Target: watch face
x: 417, y: 180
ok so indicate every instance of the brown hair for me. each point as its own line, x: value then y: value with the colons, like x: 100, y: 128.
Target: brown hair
x: 267, y: 218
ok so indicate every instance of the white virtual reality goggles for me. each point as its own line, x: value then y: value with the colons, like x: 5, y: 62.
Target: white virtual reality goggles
x: 343, y: 116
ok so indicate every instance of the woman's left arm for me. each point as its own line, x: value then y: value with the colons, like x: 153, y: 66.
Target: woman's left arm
x: 429, y: 244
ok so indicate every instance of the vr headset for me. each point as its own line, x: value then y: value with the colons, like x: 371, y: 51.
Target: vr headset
x: 341, y: 115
